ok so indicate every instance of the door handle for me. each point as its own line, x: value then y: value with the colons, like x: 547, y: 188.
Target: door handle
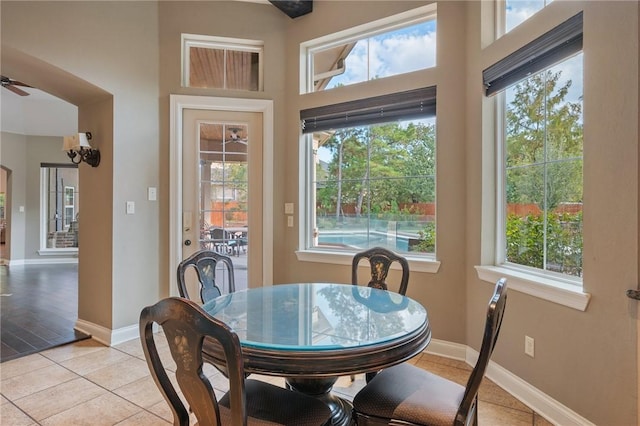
x: 187, y: 242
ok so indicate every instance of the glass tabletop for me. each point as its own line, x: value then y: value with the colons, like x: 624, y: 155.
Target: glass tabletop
x: 317, y: 316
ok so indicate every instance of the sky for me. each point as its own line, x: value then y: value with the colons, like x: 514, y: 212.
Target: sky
x: 398, y: 52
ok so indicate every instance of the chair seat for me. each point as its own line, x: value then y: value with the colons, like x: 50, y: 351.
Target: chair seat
x: 268, y: 404
x: 410, y: 394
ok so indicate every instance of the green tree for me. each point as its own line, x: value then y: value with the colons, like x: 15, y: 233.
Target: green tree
x: 543, y: 127
x: 379, y: 166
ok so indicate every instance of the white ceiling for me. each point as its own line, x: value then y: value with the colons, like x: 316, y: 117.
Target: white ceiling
x: 38, y: 114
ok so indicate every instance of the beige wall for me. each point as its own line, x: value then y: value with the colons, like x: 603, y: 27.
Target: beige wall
x: 107, y: 49
x: 22, y: 156
x: 39, y: 149
x: 130, y: 51
x: 13, y: 153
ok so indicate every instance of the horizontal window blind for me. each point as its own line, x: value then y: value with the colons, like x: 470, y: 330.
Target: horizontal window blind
x: 548, y: 49
x: 379, y: 109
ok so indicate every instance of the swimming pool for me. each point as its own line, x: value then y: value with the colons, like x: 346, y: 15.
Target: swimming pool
x: 364, y: 241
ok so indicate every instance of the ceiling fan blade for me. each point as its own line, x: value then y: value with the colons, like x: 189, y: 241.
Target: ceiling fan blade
x: 19, y: 83
x: 16, y: 90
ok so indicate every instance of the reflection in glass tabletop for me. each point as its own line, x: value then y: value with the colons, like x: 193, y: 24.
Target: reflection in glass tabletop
x: 317, y: 316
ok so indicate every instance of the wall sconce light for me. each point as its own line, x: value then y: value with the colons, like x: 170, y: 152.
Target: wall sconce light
x: 78, y: 146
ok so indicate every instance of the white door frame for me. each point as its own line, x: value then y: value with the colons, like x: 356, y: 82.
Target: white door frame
x: 178, y: 103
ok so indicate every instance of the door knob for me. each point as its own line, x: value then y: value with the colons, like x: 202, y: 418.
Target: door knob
x: 187, y: 242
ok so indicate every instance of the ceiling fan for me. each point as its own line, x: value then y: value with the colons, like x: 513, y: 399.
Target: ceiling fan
x: 235, y: 136
x: 9, y: 83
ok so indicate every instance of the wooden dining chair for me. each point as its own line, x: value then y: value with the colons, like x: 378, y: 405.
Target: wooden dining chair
x: 205, y: 262
x: 408, y: 395
x: 248, y: 402
x: 380, y: 260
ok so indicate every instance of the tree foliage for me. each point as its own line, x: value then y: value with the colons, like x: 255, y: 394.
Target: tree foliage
x: 376, y: 167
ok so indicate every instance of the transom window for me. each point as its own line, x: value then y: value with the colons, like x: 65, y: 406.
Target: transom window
x: 221, y: 63
x: 393, y: 46
x: 516, y: 12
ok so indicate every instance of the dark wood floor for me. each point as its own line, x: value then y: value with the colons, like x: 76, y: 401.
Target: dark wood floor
x: 38, y: 309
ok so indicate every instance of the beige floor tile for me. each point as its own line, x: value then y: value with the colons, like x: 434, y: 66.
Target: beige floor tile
x: 95, y: 360
x: 11, y: 415
x: 143, y: 392
x: 430, y: 358
x: 56, y: 399
x: 162, y: 410
x: 491, y: 392
x: 105, y: 410
x: 497, y: 415
x: 66, y: 352
x: 120, y: 373
x: 35, y: 381
x: 25, y: 364
x: 143, y: 418
x: 132, y: 347
x: 455, y: 374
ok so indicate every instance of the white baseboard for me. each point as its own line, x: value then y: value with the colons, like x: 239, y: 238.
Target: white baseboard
x: 447, y: 349
x: 105, y: 335
x: 40, y: 261
x: 552, y: 410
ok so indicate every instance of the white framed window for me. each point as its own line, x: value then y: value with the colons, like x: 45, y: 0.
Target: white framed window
x: 59, y: 201
x: 222, y: 63
x: 512, y: 13
x: 395, y: 45
x: 539, y: 185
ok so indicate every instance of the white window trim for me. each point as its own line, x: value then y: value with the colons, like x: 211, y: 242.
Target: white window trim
x: 390, y: 23
x: 214, y: 42
x: 416, y: 264
x: 546, y: 288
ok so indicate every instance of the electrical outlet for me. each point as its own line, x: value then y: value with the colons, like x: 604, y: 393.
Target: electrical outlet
x: 529, y: 346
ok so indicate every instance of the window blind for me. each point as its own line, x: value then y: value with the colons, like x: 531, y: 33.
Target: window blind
x: 548, y: 49
x: 379, y: 109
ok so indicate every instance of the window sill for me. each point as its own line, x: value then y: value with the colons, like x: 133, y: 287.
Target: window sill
x: 545, y: 288
x: 68, y: 252
x: 417, y: 264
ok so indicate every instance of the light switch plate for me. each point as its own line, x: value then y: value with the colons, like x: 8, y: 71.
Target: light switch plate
x: 131, y: 207
x: 288, y: 208
x: 290, y: 221
x: 152, y: 193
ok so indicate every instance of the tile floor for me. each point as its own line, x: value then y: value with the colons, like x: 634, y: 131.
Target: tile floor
x: 87, y: 383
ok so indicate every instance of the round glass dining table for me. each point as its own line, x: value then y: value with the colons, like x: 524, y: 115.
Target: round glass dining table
x: 313, y: 333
